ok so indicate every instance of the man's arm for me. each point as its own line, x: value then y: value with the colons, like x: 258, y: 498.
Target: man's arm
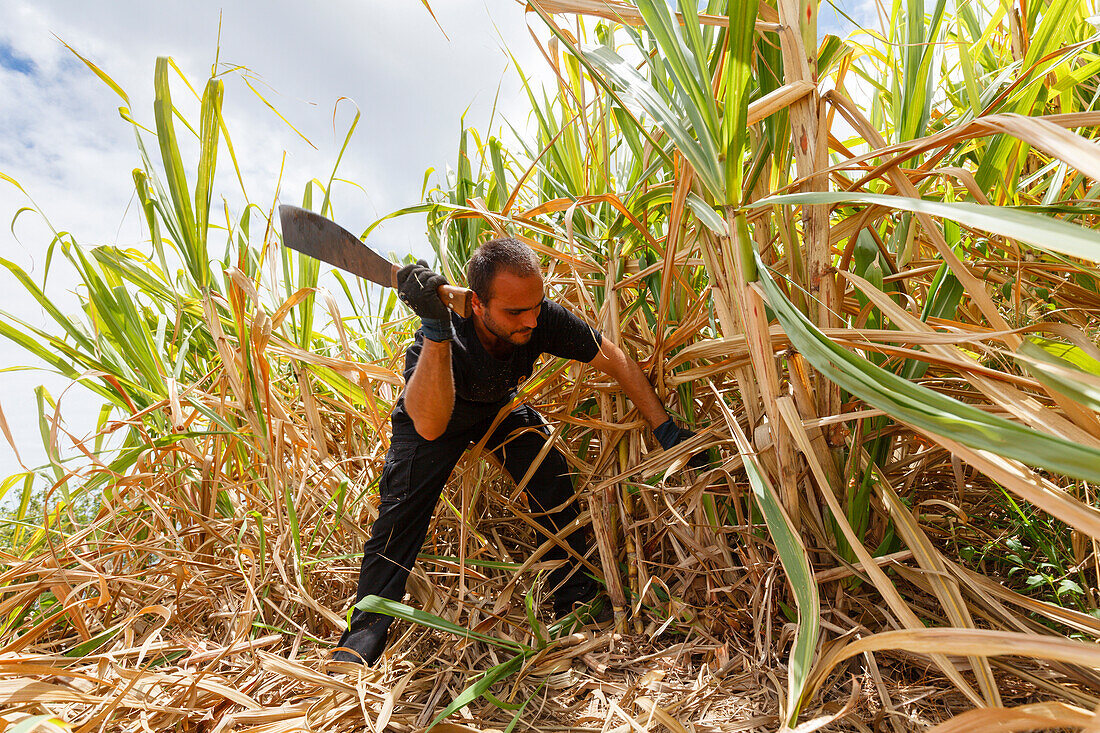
x: 430, y: 393
x: 613, y: 362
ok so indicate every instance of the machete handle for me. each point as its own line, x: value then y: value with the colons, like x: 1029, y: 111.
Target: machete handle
x: 457, y: 299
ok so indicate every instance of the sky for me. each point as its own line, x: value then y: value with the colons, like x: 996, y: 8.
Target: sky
x: 411, y: 77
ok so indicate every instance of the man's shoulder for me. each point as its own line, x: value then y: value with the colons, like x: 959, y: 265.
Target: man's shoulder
x: 563, y: 333
x: 553, y: 312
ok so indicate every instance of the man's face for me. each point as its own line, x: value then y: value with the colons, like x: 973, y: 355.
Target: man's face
x: 513, y: 307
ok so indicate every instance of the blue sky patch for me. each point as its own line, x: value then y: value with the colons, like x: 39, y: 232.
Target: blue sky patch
x: 10, y: 59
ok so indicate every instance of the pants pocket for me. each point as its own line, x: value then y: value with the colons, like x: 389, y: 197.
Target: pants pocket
x: 396, y: 481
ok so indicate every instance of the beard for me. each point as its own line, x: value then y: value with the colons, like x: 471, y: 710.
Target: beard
x: 518, y: 337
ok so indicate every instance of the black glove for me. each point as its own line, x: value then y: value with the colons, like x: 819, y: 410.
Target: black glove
x: 418, y: 287
x: 669, y: 434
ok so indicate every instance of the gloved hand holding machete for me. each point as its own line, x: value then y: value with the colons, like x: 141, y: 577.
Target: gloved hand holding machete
x: 418, y: 287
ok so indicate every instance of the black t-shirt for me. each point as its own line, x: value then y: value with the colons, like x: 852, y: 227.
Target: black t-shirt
x: 483, y: 383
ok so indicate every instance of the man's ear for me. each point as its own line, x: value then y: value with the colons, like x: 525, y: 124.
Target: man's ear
x: 475, y: 302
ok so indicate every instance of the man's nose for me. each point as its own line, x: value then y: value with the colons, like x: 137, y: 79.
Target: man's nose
x: 530, y: 319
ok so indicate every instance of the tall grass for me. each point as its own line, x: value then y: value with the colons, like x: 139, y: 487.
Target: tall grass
x: 863, y: 269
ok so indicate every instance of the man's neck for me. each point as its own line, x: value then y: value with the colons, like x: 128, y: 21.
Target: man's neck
x: 496, y: 346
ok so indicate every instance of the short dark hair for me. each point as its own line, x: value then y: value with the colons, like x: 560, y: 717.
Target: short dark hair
x: 505, y: 253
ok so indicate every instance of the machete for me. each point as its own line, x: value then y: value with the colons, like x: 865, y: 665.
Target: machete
x: 314, y: 235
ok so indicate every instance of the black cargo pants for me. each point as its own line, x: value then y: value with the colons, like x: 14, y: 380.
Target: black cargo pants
x: 413, y: 477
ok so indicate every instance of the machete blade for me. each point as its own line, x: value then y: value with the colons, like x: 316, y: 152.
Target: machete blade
x: 314, y: 235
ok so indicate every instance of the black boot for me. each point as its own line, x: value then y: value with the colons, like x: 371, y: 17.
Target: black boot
x: 574, y: 595
x: 365, y: 638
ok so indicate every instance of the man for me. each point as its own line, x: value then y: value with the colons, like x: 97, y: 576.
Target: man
x: 459, y: 374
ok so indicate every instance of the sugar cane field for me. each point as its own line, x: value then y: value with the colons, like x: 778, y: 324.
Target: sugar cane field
x: 861, y: 267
